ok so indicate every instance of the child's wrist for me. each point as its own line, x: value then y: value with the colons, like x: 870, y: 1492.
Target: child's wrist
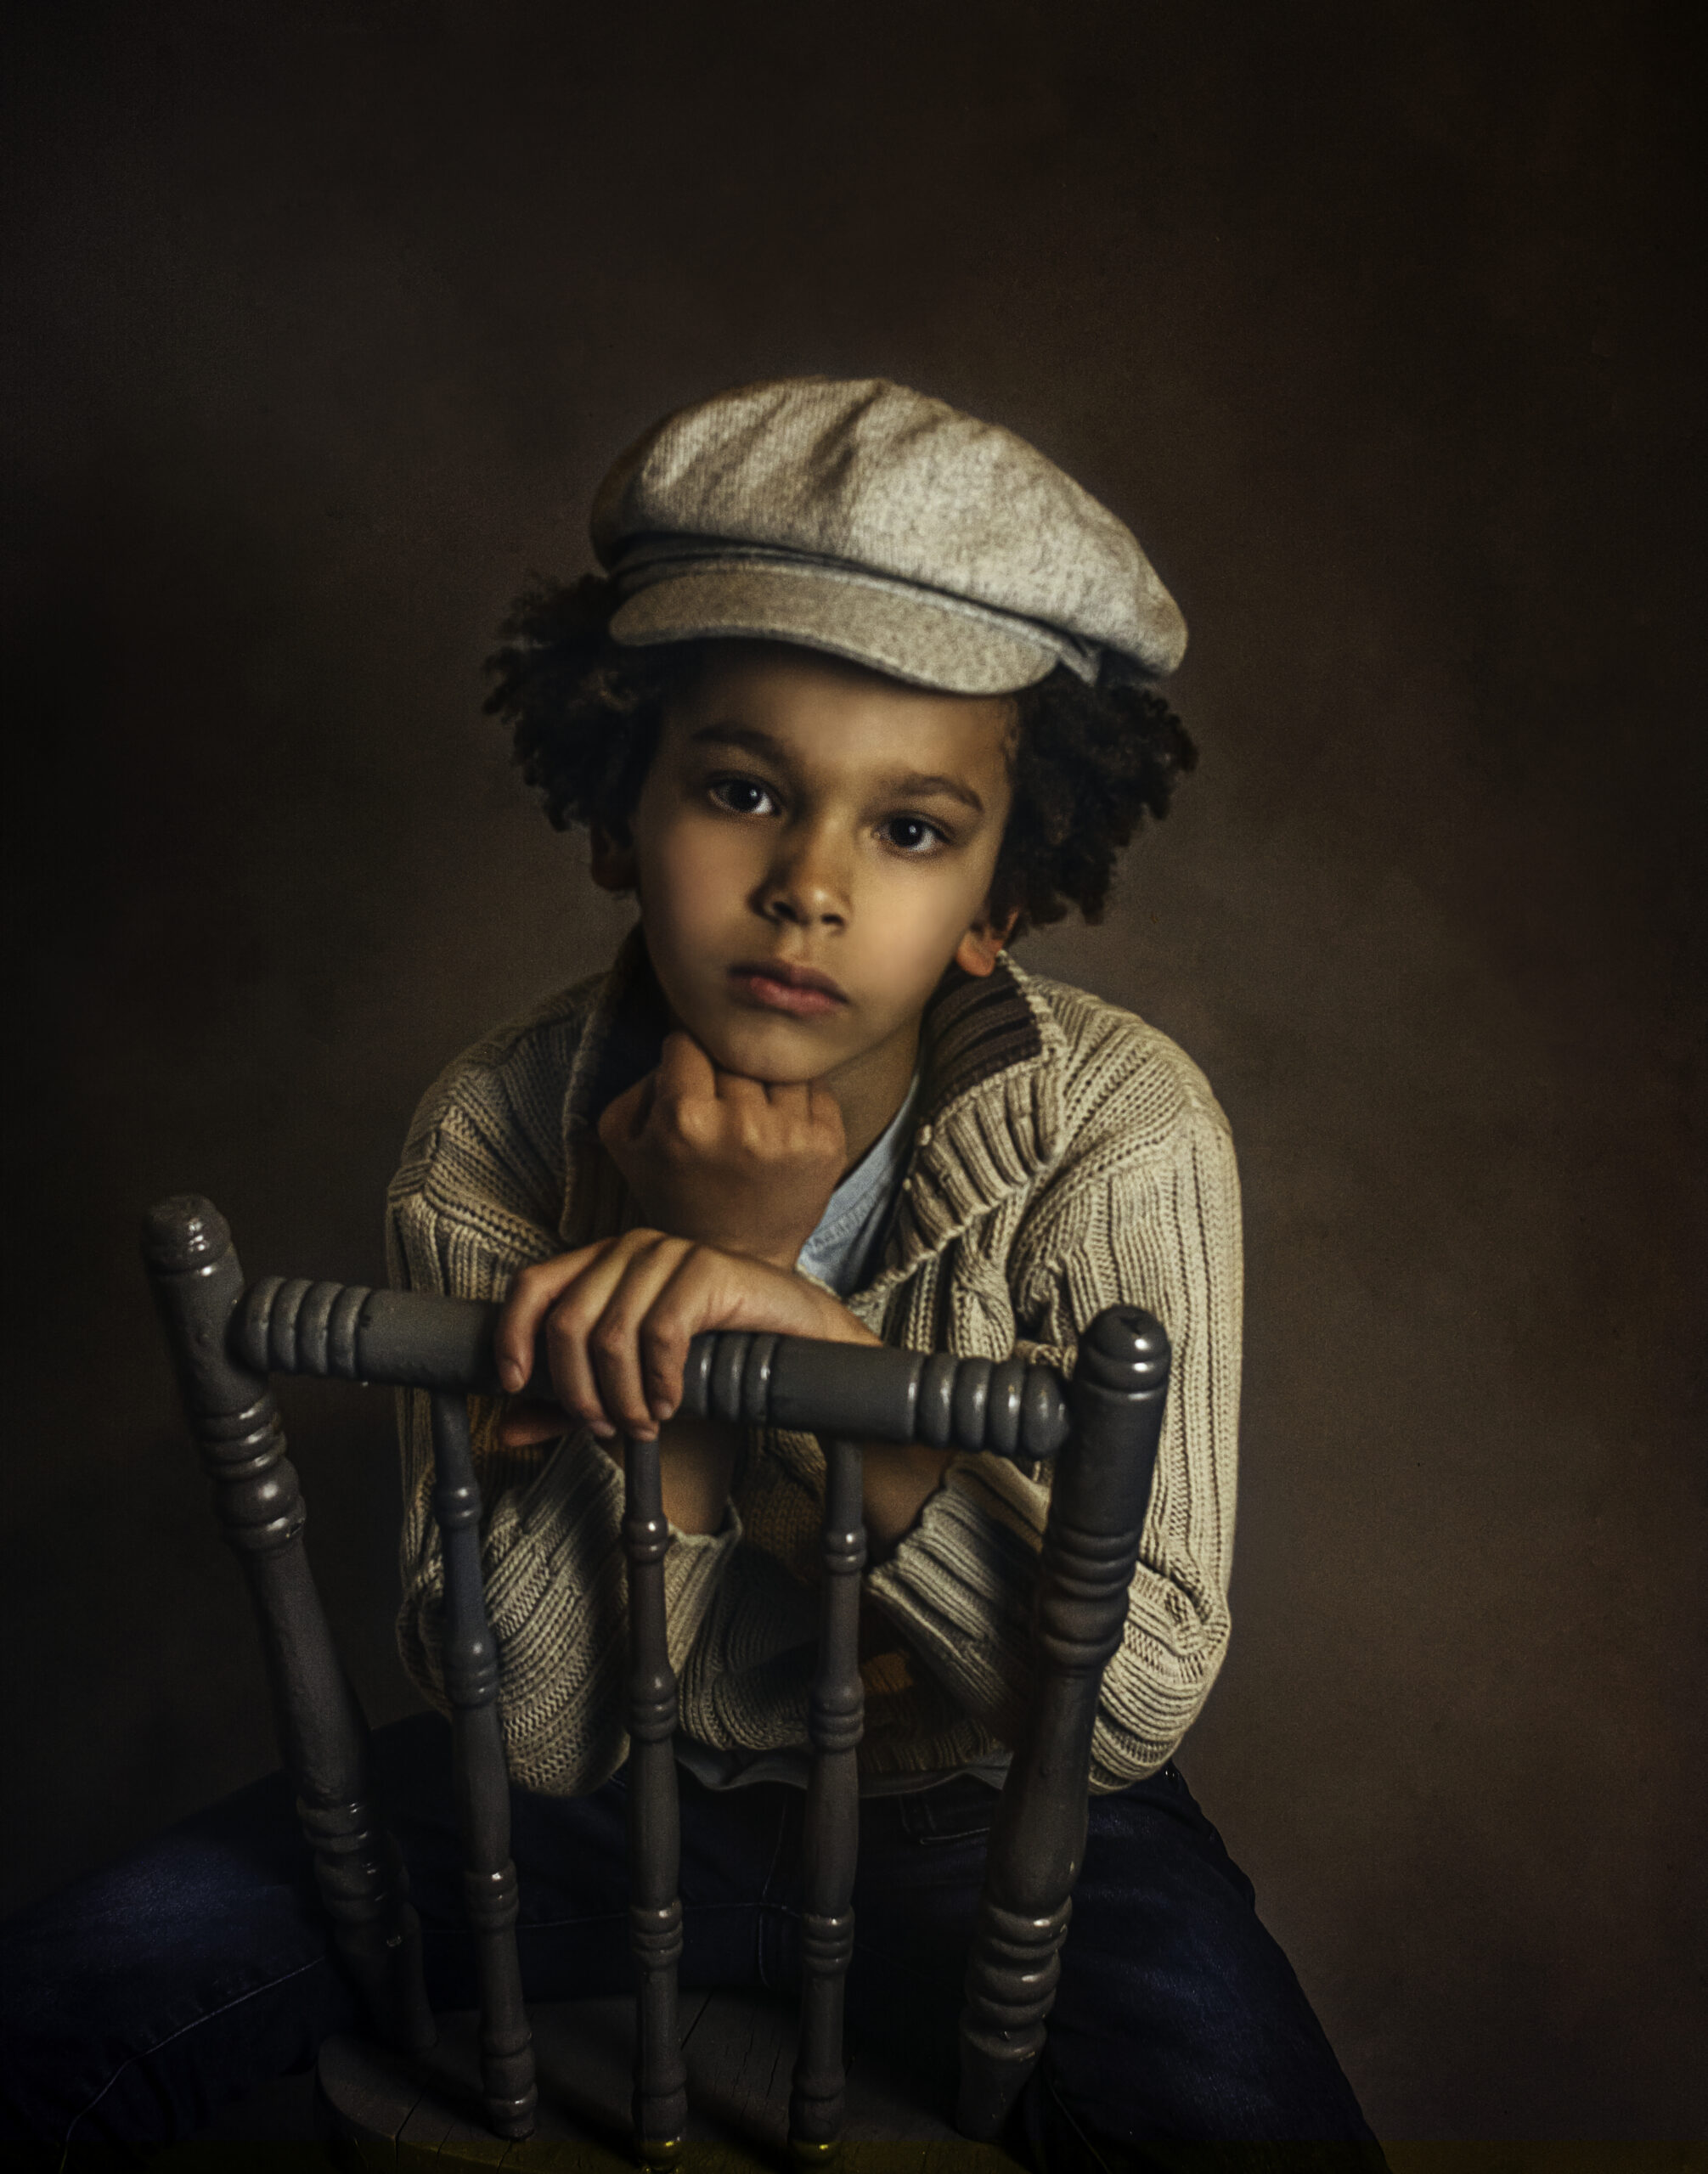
x: 841, y: 1325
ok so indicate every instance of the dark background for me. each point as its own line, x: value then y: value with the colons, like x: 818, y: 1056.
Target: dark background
x: 1378, y: 322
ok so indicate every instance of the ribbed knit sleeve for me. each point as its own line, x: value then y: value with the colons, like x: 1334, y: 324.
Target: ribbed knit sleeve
x: 1145, y: 1210
x: 481, y: 1192
x: 1073, y: 1158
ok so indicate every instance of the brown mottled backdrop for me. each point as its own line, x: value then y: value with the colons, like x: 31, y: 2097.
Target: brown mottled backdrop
x: 1378, y: 322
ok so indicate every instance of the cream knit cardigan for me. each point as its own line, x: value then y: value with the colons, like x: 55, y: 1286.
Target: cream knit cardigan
x: 1068, y: 1157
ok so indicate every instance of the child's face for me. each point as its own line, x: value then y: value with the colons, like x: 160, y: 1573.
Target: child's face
x: 813, y: 845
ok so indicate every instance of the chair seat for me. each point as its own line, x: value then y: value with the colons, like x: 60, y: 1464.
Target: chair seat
x: 739, y: 2048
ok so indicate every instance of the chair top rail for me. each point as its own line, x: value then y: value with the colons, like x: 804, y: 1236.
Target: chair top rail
x: 412, y: 1339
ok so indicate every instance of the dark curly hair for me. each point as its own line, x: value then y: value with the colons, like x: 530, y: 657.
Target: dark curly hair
x: 585, y: 715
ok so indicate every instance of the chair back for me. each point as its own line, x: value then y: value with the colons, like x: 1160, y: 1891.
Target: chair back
x: 1099, y: 1432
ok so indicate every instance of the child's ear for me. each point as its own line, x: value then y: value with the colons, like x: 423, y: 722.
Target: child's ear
x: 981, y: 947
x: 610, y: 865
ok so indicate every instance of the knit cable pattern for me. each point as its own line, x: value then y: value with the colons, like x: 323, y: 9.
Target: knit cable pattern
x: 1068, y: 1157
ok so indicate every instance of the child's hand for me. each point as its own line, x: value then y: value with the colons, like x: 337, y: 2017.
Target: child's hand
x: 731, y: 1161
x: 617, y: 1318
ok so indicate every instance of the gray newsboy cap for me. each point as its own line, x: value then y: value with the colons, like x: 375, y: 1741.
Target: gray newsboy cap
x: 855, y: 516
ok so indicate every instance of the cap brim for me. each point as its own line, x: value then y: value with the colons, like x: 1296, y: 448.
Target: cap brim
x: 893, y: 630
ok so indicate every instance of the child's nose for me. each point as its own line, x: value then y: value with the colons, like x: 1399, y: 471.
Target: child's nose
x: 805, y: 886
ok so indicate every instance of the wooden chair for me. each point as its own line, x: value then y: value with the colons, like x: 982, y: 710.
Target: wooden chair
x: 1100, y: 1431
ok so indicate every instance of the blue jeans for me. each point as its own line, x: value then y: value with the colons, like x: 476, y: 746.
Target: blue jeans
x: 137, y: 2000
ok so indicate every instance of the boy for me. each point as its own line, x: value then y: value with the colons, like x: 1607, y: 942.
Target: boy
x: 866, y: 690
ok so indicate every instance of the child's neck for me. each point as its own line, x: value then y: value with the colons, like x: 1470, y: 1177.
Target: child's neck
x: 870, y: 1088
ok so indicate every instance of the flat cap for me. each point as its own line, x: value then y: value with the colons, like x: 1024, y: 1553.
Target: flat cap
x: 855, y: 516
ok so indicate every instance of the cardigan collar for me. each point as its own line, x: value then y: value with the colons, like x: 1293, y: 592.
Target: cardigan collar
x: 990, y: 1117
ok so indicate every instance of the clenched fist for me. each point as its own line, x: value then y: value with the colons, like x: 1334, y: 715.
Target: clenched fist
x: 725, y: 1161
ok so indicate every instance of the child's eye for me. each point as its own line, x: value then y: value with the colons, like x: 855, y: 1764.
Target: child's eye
x: 911, y: 834
x: 744, y: 797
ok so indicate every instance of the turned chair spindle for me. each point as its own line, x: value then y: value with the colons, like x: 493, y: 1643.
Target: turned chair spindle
x: 482, y: 1780
x: 835, y: 1721
x: 655, y: 1830
x: 322, y: 1734
x: 1102, y: 1436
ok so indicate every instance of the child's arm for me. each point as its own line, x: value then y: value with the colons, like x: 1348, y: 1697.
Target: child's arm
x: 707, y: 1155
x: 745, y: 1168
x: 477, y: 1200
x: 481, y: 1194
x: 1145, y: 1210
x: 616, y: 1319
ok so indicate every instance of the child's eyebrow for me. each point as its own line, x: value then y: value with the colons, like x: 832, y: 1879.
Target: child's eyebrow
x: 738, y: 736
x: 915, y: 784
x: 921, y: 783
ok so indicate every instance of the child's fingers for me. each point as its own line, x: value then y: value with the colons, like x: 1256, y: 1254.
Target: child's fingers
x: 760, y: 1102
x: 791, y: 1100
x: 534, y: 1293
x: 750, y: 1125
x: 624, y: 1119
x: 685, y: 1072
x: 708, y: 1289
x: 626, y: 1390
x: 570, y: 1324
x: 691, y: 1300
x: 618, y: 1317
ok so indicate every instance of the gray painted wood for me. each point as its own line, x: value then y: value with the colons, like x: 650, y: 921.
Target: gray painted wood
x: 226, y: 1340
x: 836, y: 1721
x: 415, y: 1339
x: 1091, y: 1537
x: 368, y: 2092
x: 482, y: 1779
x: 323, y: 1734
x: 585, y: 2051
x: 738, y: 2057
x: 737, y: 2049
x: 655, y: 1838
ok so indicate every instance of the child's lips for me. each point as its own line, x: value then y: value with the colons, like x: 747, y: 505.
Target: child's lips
x: 774, y: 986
